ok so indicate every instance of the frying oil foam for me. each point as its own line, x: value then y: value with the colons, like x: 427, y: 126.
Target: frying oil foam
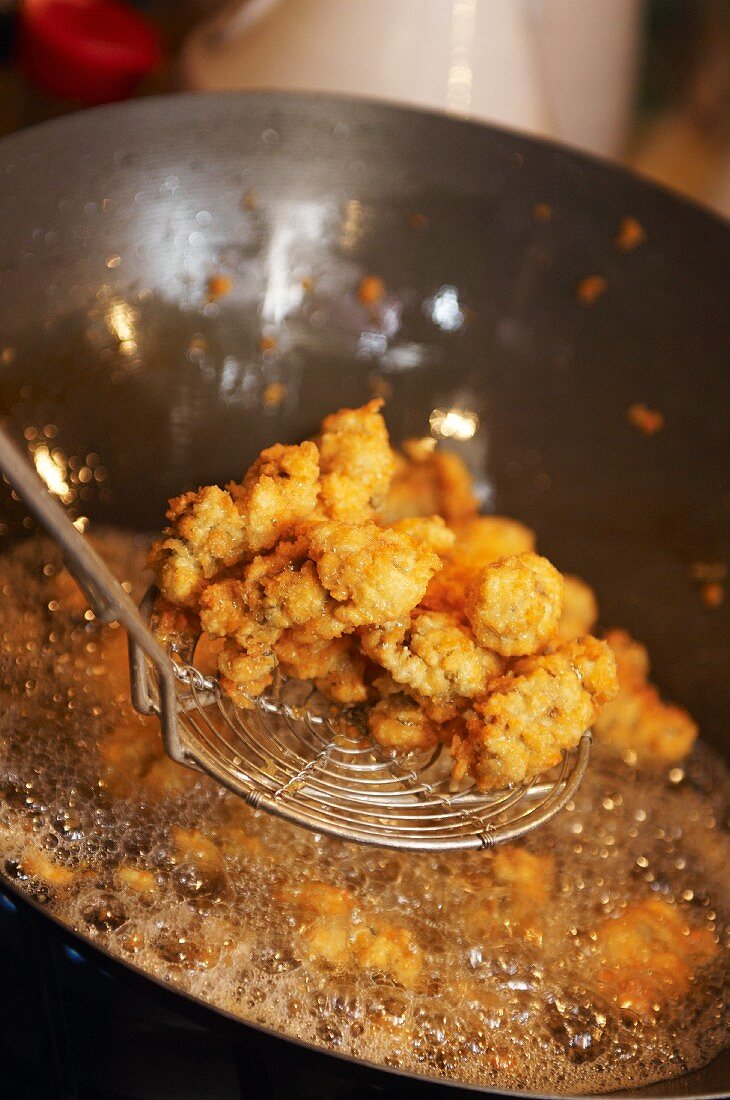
x: 510, y: 1011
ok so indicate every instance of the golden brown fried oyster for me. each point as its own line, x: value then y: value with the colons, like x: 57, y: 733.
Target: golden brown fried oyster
x: 429, y: 529
x: 580, y: 610
x: 336, y: 930
x: 278, y: 491
x: 637, y: 722
x: 646, y: 957
x: 356, y: 462
x: 215, y: 529
x: 421, y: 605
x: 206, y: 534
x: 514, y: 604
x: 480, y: 541
x: 432, y: 654
x: 508, y: 895
x: 375, y: 575
x: 398, y: 722
x: 276, y: 592
x: 429, y: 481
x: 530, y: 716
x: 335, y: 665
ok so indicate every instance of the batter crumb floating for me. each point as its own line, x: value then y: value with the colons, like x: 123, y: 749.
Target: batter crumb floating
x: 590, y: 289
x: 630, y: 235
x: 649, y: 421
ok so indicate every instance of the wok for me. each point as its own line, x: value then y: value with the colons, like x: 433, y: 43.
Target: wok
x: 113, y: 222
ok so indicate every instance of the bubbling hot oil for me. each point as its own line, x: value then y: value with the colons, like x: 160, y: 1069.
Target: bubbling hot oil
x: 456, y: 966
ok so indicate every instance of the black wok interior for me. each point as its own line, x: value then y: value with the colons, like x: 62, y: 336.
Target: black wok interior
x: 114, y: 220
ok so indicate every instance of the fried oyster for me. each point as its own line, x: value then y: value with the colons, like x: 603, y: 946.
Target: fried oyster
x: 370, y: 573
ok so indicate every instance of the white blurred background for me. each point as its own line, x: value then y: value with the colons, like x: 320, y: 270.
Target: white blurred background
x: 646, y: 82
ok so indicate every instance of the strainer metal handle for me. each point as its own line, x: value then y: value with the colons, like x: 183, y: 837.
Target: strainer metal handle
x: 108, y: 600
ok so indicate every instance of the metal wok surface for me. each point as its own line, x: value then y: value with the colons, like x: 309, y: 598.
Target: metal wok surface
x: 113, y: 222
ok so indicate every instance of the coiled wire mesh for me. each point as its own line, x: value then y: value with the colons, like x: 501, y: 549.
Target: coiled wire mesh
x: 293, y: 754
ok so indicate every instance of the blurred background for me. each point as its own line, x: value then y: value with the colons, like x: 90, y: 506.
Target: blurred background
x: 644, y: 82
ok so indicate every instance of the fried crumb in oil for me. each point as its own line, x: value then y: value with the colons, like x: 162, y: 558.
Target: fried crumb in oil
x: 630, y: 235
x: 218, y: 286
x: 542, y: 212
x: 267, y: 343
x: 371, y: 290
x: 713, y: 594
x: 647, y: 956
x: 638, y: 722
x: 590, y: 289
x: 250, y: 200
x: 418, y: 221
x: 648, y: 421
x: 334, y: 930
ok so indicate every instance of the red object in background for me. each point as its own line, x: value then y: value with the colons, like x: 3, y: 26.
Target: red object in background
x: 94, y: 51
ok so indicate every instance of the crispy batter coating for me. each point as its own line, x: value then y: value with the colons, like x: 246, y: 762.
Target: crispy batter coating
x: 344, y: 499
x: 335, y: 665
x: 356, y: 461
x: 335, y: 930
x: 580, y: 610
x: 479, y: 542
x: 647, y: 957
x: 206, y: 534
x: 244, y: 674
x: 280, y: 489
x: 514, y: 604
x: 375, y: 575
x: 329, y: 579
x: 429, y: 481
x: 432, y: 654
x: 637, y: 721
x: 529, y: 717
x: 484, y: 539
x: 429, y: 529
x: 398, y: 722
x: 276, y: 591
x: 214, y: 528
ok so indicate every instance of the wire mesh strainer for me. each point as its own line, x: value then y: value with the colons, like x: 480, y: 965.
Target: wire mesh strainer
x: 292, y: 753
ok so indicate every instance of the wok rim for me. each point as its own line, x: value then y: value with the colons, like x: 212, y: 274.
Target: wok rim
x: 146, y: 103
